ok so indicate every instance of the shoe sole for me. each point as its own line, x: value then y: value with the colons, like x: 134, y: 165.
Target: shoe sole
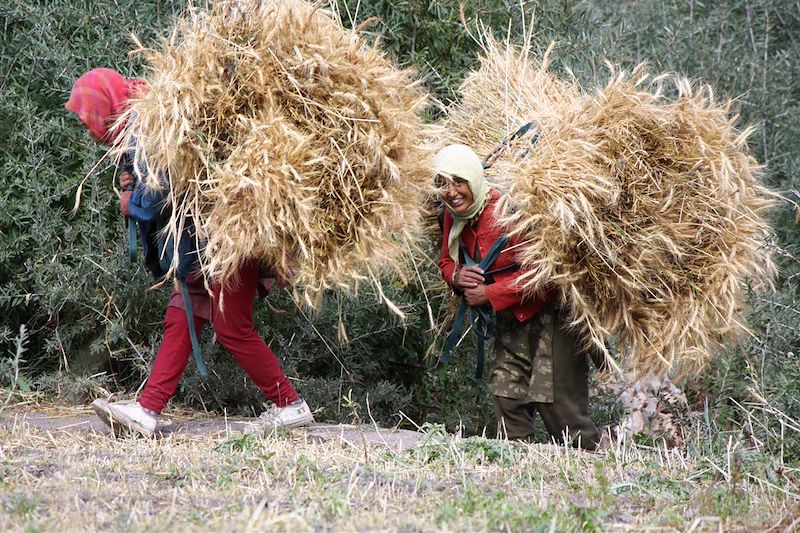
x: 294, y: 424
x: 301, y: 422
x: 118, y: 421
x: 103, y: 411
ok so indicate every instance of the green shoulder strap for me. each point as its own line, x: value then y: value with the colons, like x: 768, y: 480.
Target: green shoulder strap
x: 198, y: 356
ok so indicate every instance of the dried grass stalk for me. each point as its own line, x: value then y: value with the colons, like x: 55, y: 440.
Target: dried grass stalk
x: 288, y: 140
x: 646, y: 210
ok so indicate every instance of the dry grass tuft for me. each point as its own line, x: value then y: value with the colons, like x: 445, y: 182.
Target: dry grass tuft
x: 288, y: 140
x: 641, y: 201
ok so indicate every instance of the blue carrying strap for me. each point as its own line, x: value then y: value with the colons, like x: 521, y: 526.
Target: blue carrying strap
x: 187, y: 261
x: 525, y: 128
x: 126, y: 165
x: 482, y: 320
x: 133, y: 252
x: 198, y: 356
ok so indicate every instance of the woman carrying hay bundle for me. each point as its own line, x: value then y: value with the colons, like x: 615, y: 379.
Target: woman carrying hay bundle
x: 538, y: 365
x: 98, y: 98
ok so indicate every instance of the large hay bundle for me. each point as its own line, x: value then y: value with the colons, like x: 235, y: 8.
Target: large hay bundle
x: 645, y: 210
x: 286, y: 139
x: 507, y: 91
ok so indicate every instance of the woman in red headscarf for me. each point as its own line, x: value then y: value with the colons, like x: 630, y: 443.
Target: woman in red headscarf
x: 99, y: 98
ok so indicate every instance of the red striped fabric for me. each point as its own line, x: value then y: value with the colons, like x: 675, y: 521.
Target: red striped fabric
x: 99, y: 97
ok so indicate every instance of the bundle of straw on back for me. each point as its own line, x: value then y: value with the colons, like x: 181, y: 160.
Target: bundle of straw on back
x: 507, y: 91
x: 287, y: 140
x: 645, y: 210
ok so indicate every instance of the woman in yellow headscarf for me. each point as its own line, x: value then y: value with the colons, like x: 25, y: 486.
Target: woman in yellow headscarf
x: 538, y: 365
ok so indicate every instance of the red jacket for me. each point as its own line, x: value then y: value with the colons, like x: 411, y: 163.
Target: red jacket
x: 504, y: 293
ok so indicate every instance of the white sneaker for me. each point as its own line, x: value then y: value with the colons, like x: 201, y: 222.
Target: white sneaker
x: 126, y: 414
x: 295, y: 414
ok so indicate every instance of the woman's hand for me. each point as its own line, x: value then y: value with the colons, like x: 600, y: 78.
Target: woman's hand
x: 123, y: 202
x: 127, y: 183
x: 126, y: 180
x: 476, y: 296
x: 468, y: 277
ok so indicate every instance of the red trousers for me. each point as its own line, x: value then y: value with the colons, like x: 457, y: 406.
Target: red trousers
x: 235, y: 331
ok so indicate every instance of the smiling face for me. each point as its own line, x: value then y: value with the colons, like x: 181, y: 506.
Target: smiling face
x: 456, y: 192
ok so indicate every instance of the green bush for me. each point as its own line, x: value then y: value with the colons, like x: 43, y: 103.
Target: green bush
x: 65, y: 275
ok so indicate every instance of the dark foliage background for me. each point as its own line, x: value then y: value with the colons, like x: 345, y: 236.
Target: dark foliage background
x: 89, y: 312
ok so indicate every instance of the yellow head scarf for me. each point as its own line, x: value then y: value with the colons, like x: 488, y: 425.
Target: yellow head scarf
x: 458, y: 160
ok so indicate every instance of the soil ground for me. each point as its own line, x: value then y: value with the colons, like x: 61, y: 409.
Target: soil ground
x: 84, y: 420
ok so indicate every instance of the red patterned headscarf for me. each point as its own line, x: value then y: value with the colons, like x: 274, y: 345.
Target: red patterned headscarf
x: 99, y: 97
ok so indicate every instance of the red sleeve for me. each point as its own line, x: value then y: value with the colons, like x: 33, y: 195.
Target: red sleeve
x: 446, y: 264
x: 505, y: 292
x: 504, y: 295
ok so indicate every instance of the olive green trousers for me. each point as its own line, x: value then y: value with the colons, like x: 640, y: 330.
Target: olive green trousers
x: 564, y: 365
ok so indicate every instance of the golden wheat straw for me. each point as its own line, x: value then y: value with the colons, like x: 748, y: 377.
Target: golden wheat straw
x: 287, y: 140
x: 641, y: 202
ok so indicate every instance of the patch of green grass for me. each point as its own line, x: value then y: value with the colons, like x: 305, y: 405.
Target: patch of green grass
x: 483, y: 508
x: 482, y: 450
x: 471, y: 502
x: 723, y: 501
x: 601, y: 490
x: 22, y: 505
x: 246, y: 442
x: 34, y: 527
x: 584, y: 518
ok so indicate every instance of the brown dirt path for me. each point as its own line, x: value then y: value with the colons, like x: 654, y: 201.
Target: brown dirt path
x: 76, y: 420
